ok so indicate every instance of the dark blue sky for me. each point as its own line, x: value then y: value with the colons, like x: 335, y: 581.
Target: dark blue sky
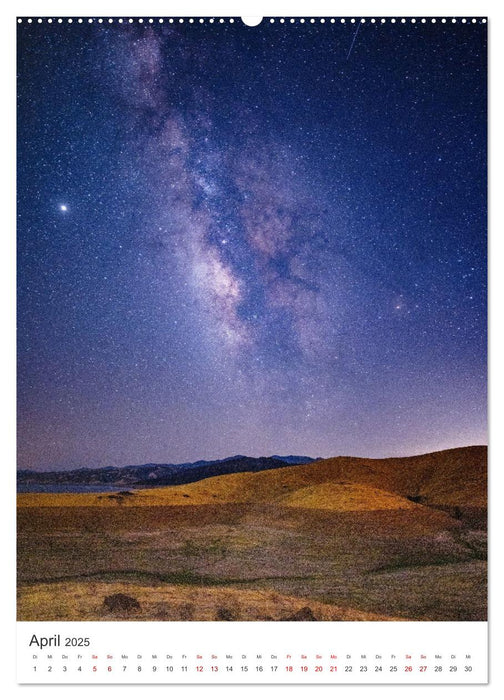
x: 250, y: 240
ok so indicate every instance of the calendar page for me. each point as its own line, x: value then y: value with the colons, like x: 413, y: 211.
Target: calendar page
x: 251, y: 349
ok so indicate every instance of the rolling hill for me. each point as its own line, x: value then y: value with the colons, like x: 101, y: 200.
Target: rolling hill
x: 450, y: 479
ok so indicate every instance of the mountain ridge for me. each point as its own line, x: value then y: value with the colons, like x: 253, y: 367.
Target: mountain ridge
x: 155, y: 474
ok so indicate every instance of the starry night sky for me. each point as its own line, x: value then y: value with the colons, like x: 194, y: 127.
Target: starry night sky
x: 250, y: 240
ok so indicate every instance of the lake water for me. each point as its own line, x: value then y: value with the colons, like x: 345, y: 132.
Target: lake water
x: 71, y: 488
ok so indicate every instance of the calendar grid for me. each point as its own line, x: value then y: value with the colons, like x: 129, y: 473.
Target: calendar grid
x: 324, y: 653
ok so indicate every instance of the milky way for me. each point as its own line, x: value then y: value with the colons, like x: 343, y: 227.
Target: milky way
x: 250, y: 240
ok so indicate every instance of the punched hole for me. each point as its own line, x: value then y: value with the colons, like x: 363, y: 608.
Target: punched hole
x: 251, y: 21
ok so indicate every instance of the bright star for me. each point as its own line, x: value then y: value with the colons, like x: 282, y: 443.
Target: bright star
x: 63, y: 207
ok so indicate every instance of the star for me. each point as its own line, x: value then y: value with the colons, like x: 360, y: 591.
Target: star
x: 63, y: 207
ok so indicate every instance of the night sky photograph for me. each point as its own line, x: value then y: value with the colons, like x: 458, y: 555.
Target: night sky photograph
x: 244, y: 240
x: 252, y: 326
